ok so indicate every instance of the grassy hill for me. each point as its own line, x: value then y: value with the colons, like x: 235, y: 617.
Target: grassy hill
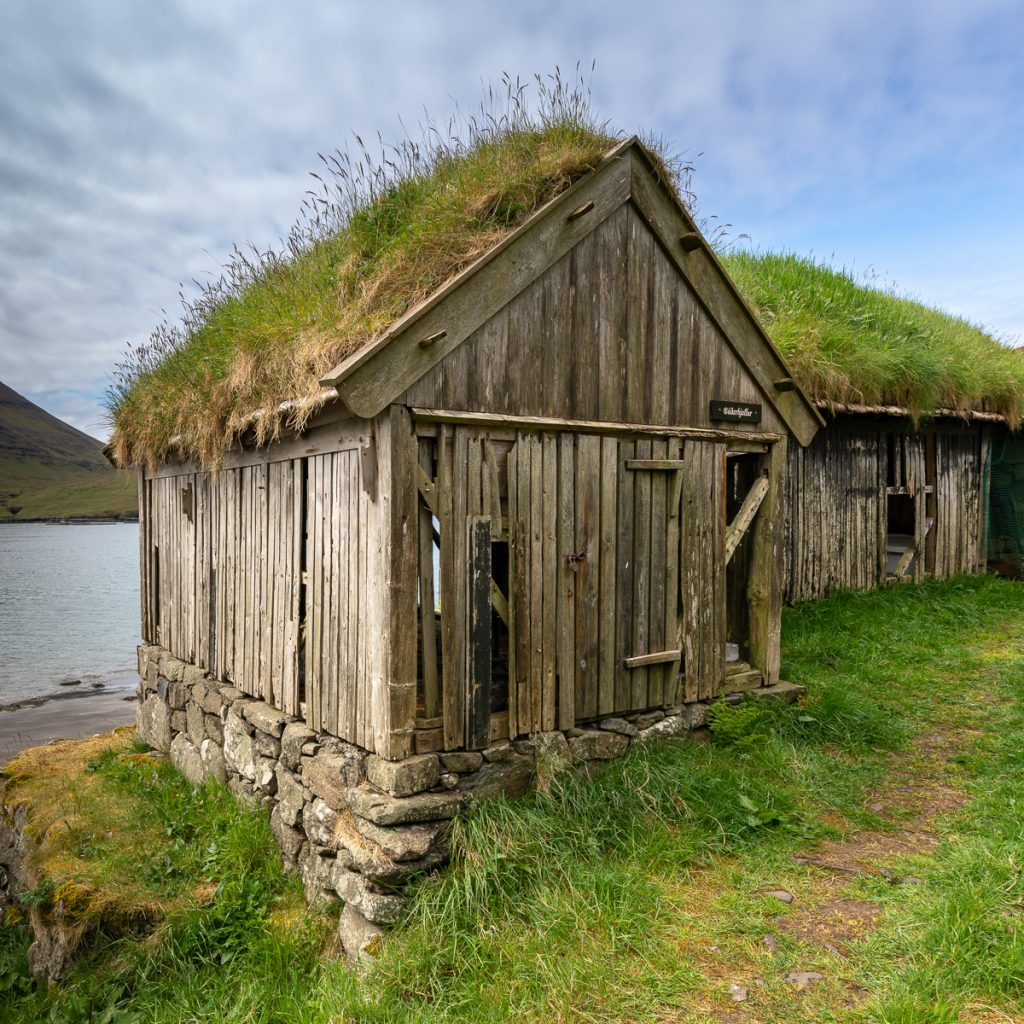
x: 50, y: 470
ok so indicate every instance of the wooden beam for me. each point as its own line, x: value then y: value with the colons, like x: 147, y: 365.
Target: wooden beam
x: 904, y: 562
x: 736, y: 530
x: 655, y: 465
x: 542, y: 423
x: 400, y: 463
x: 656, y: 658
x: 764, y: 587
x: 500, y: 602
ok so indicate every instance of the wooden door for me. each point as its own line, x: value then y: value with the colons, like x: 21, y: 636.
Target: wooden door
x: 594, y: 585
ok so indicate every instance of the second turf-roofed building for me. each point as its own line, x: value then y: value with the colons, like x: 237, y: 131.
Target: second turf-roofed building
x: 897, y: 486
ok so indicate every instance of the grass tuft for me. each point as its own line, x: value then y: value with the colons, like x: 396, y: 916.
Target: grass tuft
x: 381, y: 229
x: 854, y: 342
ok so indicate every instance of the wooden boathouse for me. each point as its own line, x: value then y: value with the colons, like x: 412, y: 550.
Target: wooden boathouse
x: 876, y: 499
x: 551, y: 493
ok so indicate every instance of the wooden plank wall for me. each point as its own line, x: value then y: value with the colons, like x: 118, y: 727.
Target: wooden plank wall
x: 346, y: 588
x: 836, y: 506
x: 614, y: 333
x: 225, y: 572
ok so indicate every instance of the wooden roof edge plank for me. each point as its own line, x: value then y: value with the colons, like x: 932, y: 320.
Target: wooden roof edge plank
x: 791, y: 402
x: 348, y: 366
x: 862, y: 409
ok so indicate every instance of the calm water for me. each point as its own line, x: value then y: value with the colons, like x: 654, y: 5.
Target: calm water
x: 69, y: 606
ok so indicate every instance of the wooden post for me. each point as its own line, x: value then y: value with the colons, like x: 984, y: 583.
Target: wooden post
x: 764, y: 591
x: 400, y: 710
x: 478, y: 633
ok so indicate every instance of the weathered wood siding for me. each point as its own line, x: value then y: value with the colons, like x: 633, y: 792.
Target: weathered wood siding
x: 611, y: 332
x: 836, y: 505
x: 275, y: 578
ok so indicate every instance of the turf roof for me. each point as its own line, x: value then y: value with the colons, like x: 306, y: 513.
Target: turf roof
x: 851, y: 343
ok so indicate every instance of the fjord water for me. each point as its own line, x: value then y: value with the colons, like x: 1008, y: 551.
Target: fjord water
x: 69, y: 607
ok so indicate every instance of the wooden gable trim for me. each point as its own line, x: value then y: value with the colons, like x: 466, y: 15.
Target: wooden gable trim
x: 698, y: 265
x: 379, y: 372
x: 372, y: 377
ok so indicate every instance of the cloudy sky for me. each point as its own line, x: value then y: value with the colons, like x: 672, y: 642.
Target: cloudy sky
x: 138, y: 142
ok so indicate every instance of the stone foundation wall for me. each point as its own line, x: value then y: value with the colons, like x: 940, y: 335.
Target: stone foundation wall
x: 358, y: 828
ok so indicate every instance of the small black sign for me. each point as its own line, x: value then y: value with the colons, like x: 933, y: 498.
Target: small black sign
x: 735, y: 412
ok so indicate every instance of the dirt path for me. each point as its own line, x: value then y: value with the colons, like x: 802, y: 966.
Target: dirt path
x: 750, y: 982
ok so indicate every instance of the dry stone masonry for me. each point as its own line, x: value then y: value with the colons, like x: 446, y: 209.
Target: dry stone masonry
x: 356, y: 827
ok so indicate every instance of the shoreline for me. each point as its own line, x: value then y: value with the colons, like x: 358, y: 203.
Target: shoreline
x: 78, y: 712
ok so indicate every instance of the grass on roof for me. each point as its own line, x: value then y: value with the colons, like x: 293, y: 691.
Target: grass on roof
x: 849, y: 342
x: 380, y: 234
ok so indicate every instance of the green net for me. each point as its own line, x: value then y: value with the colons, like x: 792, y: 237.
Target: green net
x: 1006, y: 505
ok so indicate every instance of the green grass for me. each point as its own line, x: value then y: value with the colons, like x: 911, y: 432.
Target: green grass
x: 601, y: 899
x: 851, y: 342
x: 111, y: 495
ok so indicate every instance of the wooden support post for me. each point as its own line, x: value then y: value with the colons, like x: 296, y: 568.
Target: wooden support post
x: 764, y: 591
x: 400, y: 710
x: 478, y: 632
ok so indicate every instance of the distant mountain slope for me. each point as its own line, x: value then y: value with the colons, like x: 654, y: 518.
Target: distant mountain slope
x: 50, y: 470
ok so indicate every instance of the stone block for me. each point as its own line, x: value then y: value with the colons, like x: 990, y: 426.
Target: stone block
x: 243, y: 790
x: 648, y: 718
x: 597, y: 745
x: 152, y: 678
x: 153, y: 721
x: 267, y: 745
x: 193, y: 674
x: 498, y: 751
x: 376, y: 903
x: 185, y: 757
x: 209, y: 699
x: 195, y: 725
x: 462, y: 761
x: 214, y: 728
x: 551, y: 745
x: 239, y: 747
x: 291, y: 797
x: 370, y: 860
x: 293, y: 737
x: 213, y: 760
x: 331, y: 775
x: 695, y: 715
x: 384, y: 809
x: 673, y: 725
x: 319, y: 821
x: 171, y: 668
x: 230, y: 694
x: 289, y: 839
x: 265, y: 779
x: 265, y: 717
x: 510, y: 778
x: 317, y: 873
x: 405, y: 842
x: 179, y: 723
x: 403, y: 778
x: 619, y: 725
x: 360, y: 939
